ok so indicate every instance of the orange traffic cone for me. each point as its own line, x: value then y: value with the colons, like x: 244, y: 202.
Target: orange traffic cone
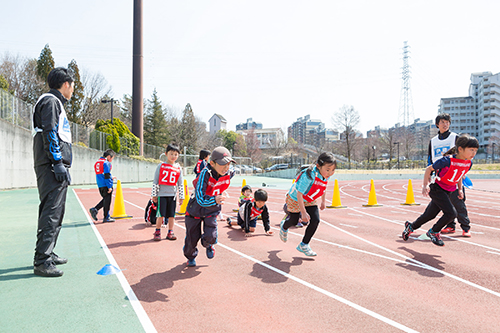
x: 372, y: 197
x: 336, y: 197
x: 410, y: 199
x: 182, y: 210
x: 119, y: 207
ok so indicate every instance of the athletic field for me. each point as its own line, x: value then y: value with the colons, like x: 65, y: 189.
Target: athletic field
x: 364, y: 279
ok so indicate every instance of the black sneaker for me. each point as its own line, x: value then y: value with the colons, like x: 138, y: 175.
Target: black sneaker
x: 210, y: 252
x: 408, y: 230
x: 93, y: 213
x: 58, y: 260
x: 47, y: 269
x: 109, y: 219
x: 435, y: 237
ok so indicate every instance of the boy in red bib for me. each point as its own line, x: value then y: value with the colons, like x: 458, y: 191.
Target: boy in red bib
x: 206, y: 203
x: 167, y: 182
x: 104, y: 181
x: 250, y: 210
x: 450, y: 170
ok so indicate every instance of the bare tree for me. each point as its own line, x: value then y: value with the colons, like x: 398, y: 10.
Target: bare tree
x: 95, y: 89
x: 345, y: 121
x: 387, y: 141
x: 21, y: 74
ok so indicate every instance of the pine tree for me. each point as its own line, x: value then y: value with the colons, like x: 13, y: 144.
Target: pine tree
x: 74, y: 105
x: 188, y: 133
x: 155, y: 125
x: 45, y: 63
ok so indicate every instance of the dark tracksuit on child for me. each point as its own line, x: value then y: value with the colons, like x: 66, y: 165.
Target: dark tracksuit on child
x: 104, y: 181
x: 248, y: 214
x: 202, y: 207
x: 441, y: 201
x: 461, y: 209
x: 51, y: 150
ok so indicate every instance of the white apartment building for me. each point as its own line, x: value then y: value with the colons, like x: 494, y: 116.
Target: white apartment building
x: 479, y: 113
x: 266, y: 137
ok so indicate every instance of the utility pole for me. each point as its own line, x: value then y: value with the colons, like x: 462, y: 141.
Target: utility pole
x: 405, y: 100
x: 137, y: 103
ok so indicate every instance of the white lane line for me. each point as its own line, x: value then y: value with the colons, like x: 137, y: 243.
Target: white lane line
x: 423, y: 265
x: 311, y: 286
x: 136, y: 305
x: 348, y: 225
x: 323, y: 291
x: 494, y: 252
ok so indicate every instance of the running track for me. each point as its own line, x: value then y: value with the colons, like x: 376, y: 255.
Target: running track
x: 364, y: 279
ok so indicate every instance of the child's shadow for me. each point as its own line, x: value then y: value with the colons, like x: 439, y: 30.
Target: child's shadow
x: 425, y: 258
x: 150, y: 288
x: 269, y: 276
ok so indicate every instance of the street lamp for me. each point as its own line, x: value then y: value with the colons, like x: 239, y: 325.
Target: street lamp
x: 493, y: 152
x: 397, y: 143
x: 374, y: 156
x: 104, y: 101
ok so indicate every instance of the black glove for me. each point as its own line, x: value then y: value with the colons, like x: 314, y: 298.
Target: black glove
x: 60, y: 172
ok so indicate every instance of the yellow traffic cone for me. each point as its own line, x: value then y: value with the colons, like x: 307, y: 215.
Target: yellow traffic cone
x: 336, y: 197
x: 119, y: 207
x: 182, y: 210
x: 372, y: 197
x: 243, y: 184
x: 410, y: 199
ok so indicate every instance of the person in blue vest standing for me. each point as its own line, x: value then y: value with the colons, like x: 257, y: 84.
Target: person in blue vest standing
x: 52, y: 157
x: 440, y: 144
x: 104, y: 181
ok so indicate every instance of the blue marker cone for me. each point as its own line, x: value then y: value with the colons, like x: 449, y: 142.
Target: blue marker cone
x: 467, y: 182
x: 108, y: 270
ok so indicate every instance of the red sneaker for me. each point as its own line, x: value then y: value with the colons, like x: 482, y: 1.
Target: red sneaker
x: 448, y: 230
x: 466, y: 233
x: 157, y: 235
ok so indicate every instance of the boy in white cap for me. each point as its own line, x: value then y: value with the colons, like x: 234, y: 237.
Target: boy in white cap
x: 206, y: 203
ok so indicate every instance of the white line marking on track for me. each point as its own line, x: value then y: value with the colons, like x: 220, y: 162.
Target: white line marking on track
x: 423, y: 265
x: 136, y: 305
x: 309, y: 285
x: 494, y: 252
x: 347, y: 225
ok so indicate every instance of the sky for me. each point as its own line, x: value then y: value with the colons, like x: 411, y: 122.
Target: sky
x: 272, y: 61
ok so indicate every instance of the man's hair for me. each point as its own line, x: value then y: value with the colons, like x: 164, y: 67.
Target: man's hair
x: 260, y: 195
x: 174, y: 148
x: 444, y: 116
x: 58, y: 76
x: 109, y: 152
x: 204, y: 153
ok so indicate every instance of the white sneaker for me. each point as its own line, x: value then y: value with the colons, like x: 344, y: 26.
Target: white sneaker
x: 306, y: 249
x: 283, y: 232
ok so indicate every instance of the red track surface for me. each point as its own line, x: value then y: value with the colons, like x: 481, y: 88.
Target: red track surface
x: 365, y: 277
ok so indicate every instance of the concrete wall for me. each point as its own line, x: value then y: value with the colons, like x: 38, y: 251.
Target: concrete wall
x: 16, y: 162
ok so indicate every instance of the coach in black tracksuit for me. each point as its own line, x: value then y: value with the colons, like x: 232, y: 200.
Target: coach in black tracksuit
x: 52, y: 160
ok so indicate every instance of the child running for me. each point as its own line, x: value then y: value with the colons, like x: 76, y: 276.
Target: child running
x: 450, y: 170
x: 309, y: 186
x: 167, y: 182
x: 250, y: 210
x: 206, y: 203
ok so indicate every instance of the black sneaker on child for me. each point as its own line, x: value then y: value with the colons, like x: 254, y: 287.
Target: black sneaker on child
x: 47, y: 269
x: 435, y: 237
x: 408, y: 230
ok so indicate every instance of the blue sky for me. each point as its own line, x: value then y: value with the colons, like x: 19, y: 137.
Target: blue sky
x: 273, y: 61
